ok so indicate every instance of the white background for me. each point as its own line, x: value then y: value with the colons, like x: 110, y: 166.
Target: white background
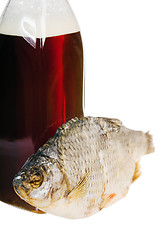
x: 121, y: 43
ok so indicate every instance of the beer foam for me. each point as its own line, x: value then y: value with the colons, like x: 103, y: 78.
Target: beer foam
x: 38, y: 18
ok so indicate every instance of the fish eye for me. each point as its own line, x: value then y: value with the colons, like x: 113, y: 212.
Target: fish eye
x: 36, y: 180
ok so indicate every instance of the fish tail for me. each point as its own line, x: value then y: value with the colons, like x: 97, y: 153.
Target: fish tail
x: 150, y: 146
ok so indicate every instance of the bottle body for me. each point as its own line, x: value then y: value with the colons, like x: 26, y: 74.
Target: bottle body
x: 41, y: 84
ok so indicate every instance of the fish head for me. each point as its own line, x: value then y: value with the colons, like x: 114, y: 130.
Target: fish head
x: 40, y: 182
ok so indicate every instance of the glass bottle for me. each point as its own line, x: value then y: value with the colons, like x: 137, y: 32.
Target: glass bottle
x: 41, y: 81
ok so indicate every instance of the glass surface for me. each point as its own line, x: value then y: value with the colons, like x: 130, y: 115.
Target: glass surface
x: 41, y: 87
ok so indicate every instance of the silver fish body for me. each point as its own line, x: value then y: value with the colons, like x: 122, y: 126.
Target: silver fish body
x: 89, y: 164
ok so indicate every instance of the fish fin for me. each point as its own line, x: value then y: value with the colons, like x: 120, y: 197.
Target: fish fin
x: 109, y: 124
x: 106, y: 199
x: 150, y: 146
x: 79, y: 190
x: 137, y: 172
x: 115, y: 121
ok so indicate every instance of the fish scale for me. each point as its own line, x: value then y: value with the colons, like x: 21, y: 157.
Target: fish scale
x: 91, y: 161
x: 94, y: 167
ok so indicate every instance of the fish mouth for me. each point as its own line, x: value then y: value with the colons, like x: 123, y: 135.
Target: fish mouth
x: 16, y: 189
x: 19, y: 188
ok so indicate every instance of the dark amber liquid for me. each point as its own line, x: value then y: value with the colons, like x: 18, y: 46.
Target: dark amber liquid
x: 41, y: 87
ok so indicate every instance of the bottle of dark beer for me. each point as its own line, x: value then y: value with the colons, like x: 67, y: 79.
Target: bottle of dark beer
x: 41, y: 81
